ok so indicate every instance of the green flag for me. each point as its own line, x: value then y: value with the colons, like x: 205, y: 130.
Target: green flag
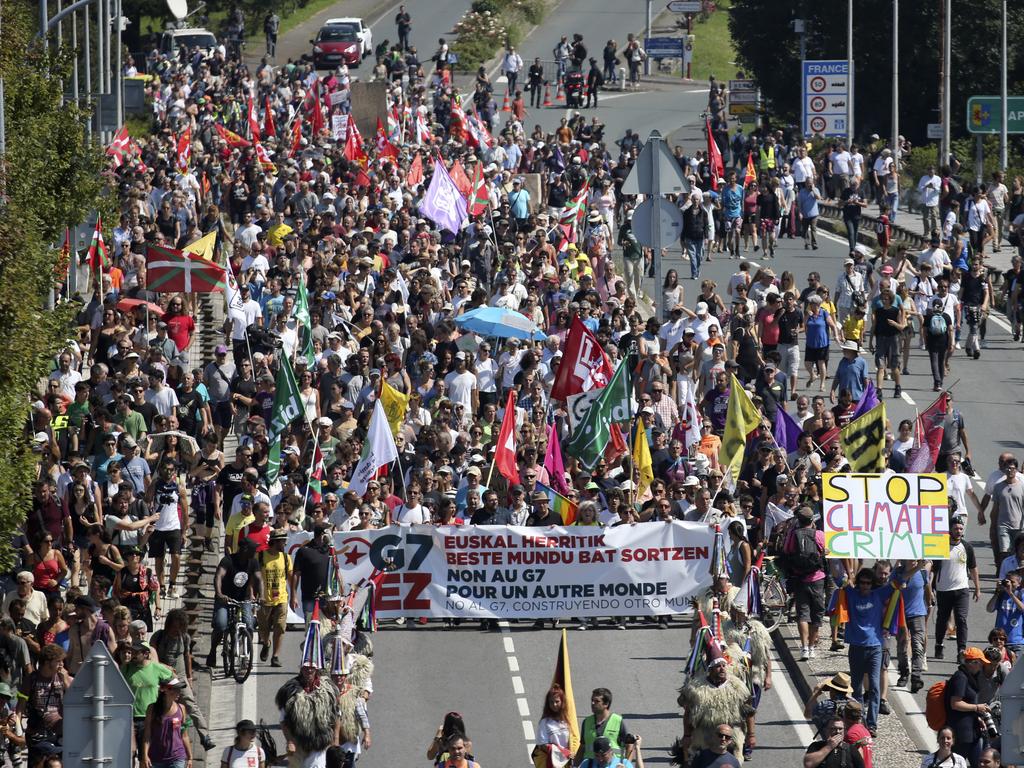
x: 287, y: 408
x: 593, y: 432
x: 305, y: 324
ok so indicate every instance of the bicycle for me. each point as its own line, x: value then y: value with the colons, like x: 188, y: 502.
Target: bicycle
x: 237, y: 646
x: 774, y: 597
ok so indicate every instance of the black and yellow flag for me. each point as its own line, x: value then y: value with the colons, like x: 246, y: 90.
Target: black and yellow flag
x: 863, y: 441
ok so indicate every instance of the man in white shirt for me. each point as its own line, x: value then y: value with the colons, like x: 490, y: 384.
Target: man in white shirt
x: 240, y: 320
x: 66, y: 376
x: 997, y: 194
x: 840, y: 160
x: 511, y: 65
x: 803, y: 167
x: 462, y: 385
x: 246, y: 234
x: 929, y: 186
x: 159, y: 395
x: 881, y: 169
x: 702, y: 322
x: 935, y: 256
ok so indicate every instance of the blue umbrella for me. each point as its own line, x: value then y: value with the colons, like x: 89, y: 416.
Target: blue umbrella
x: 499, y: 322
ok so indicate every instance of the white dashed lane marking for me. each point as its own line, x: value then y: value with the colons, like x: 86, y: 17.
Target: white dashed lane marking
x: 517, y: 685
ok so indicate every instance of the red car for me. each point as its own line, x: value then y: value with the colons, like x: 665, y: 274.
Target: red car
x: 334, y: 44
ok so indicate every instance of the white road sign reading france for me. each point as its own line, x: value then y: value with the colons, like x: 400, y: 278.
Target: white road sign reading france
x: 506, y: 572
x: 826, y: 92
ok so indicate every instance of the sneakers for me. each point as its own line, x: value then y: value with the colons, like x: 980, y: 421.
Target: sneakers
x: 805, y: 653
x: 939, y: 652
x: 897, y: 391
x: 265, y: 652
x: 977, y: 354
x: 906, y: 371
x: 916, y: 684
x: 836, y: 646
x: 811, y: 652
x: 902, y: 682
x: 275, y: 662
x: 883, y: 708
x: 957, y: 346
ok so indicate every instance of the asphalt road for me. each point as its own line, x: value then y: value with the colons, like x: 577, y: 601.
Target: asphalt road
x: 497, y: 680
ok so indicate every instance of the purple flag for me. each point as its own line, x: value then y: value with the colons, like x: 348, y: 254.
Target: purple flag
x: 786, y: 431
x: 443, y: 203
x: 553, y: 462
x: 868, y: 400
x: 558, y: 159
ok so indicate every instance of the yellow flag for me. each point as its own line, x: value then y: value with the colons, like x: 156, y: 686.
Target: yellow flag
x: 740, y: 419
x: 395, y: 405
x: 203, y: 247
x: 642, y: 460
x: 863, y: 441
x: 563, y: 677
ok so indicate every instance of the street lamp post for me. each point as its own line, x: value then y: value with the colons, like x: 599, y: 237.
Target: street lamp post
x: 896, y: 83
x: 1003, y: 98
x: 946, y: 66
x: 849, y: 67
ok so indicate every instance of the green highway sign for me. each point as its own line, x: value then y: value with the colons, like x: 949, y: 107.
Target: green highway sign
x: 984, y: 114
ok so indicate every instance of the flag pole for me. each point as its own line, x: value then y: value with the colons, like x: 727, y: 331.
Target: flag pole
x: 309, y: 474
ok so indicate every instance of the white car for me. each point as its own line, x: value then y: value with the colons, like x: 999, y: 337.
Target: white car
x: 363, y: 33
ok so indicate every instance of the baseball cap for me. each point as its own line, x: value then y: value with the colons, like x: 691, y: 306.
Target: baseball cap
x: 602, y: 744
x: 974, y: 654
x: 220, y: 349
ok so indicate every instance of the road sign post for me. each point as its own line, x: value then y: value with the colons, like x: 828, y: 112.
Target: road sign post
x: 826, y: 94
x: 656, y: 221
x: 98, y: 713
x: 985, y: 114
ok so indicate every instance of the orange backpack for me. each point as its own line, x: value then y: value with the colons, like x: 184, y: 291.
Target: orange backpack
x: 935, y: 706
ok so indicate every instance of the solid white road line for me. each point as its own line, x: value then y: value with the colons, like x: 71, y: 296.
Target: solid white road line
x: 790, y: 703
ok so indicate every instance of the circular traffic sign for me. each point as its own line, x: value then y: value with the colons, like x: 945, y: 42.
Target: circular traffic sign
x: 818, y: 124
x: 818, y: 84
x: 818, y: 104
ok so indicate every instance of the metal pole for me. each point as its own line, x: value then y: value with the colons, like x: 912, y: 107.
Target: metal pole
x: 896, y: 83
x: 849, y: 65
x: 1003, y: 106
x: 946, y: 66
x: 647, y: 35
x: 88, y: 72
x: 659, y: 275
x: 101, y: 66
x: 44, y: 17
x: 119, y: 74
x: 99, y: 701
x: 60, y: 26
x: 979, y: 160
x: 74, y: 46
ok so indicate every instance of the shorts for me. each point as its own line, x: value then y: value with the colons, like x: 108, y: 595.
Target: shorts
x: 816, y: 355
x: 887, y: 352
x: 810, y: 601
x: 162, y: 541
x: 222, y: 415
x: 790, y: 359
x: 734, y: 224
x: 768, y: 226
x: 273, y: 617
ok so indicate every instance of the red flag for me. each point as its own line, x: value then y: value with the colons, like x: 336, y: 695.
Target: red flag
x: 184, y: 149
x: 584, y: 365
x: 362, y: 180
x: 297, y: 135
x: 98, y: 256
x: 354, y: 151
x: 269, y: 129
x: 751, y: 174
x: 264, y: 157
x: 316, y: 117
x: 233, y: 139
x: 316, y: 477
x: 505, y: 452
x: 928, y: 432
x: 415, y: 174
x: 477, y: 200
x: 254, y: 123
x: 460, y: 178
x: 717, y: 166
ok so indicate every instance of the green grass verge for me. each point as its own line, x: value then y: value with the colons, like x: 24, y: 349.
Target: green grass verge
x: 713, y: 52
x: 515, y: 17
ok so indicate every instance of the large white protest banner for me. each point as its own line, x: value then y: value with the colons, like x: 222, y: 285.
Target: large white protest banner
x: 506, y: 572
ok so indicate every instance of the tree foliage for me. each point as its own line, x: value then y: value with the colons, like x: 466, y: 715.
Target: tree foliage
x: 51, y: 179
x: 769, y: 50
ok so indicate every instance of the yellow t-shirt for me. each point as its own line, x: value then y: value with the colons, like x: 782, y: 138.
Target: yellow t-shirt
x: 276, y: 567
x: 276, y: 234
x: 235, y: 523
x: 853, y: 328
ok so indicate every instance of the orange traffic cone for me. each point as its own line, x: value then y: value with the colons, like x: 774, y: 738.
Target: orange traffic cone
x: 504, y: 104
x: 547, y: 95
x: 559, y: 94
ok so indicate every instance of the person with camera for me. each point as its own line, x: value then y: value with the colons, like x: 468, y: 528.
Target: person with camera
x: 966, y: 715
x: 1007, y: 603
x: 833, y: 751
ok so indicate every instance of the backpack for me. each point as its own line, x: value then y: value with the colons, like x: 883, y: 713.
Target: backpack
x: 267, y: 742
x: 935, y: 706
x: 937, y: 325
x: 807, y: 557
x: 777, y: 539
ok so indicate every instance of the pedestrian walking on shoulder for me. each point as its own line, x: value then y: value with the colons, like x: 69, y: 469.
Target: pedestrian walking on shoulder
x: 271, y: 25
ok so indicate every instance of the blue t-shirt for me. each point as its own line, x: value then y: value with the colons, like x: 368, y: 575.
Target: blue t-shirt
x: 817, y: 330
x: 913, y: 594
x: 1010, y: 619
x: 808, y: 203
x: 851, y: 375
x: 732, y: 202
x: 866, y: 612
